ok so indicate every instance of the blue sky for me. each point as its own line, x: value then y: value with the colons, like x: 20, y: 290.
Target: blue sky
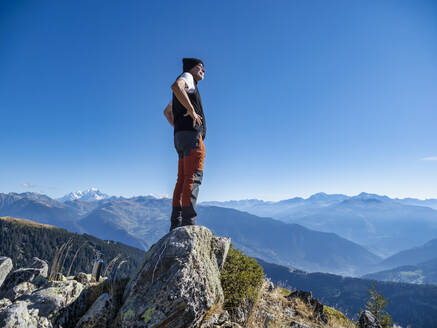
x: 300, y: 96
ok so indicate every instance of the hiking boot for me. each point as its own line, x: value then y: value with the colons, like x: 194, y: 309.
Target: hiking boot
x: 175, y: 218
x: 188, y: 216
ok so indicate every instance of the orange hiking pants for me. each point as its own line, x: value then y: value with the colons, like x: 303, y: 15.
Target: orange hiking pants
x: 191, y: 151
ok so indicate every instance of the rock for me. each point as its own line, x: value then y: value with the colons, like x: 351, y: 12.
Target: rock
x: 368, y: 320
x: 17, y: 277
x: 178, y: 282
x: 36, y: 269
x: 228, y: 324
x: 224, y: 316
x: 56, y: 296
x: 217, y: 319
x: 82, y: 278
x: 19, y: 315
x: 71, y: 314
x: 270, y: 285
x: 5, y: 268
x: 42, y: 265
x: 4, y: 303
x: 307, y: 298
x: 295, y: 324
x: 221, y: 248
x: 24, y: 288
x: 100, y: 314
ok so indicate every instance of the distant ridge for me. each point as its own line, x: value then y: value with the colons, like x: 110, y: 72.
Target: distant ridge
x: 28, y: 222
x: 91, y: 194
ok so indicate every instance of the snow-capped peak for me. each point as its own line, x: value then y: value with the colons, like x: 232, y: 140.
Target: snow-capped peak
x: 86, y: 195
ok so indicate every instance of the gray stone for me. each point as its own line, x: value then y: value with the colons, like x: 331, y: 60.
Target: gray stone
x: 270, y: 285
x: 368, y: 320
x: 82, y: 278
x: 19, y: 315
x: 36, y: 269
x: 295, y: 324
x: 228, y: 324
x: 71, y: 314
x: 178, y: 282
x: 4, y: 303
x: 221, y: 248
x: 42, y: 265
x: 307, y: 298
x: 17, y: 277
x: 22, y: 289
x: 224, y: 316
x: 5, y: 267
x: 100, y: 313
x: 56, y: 296
x: 216, y: 320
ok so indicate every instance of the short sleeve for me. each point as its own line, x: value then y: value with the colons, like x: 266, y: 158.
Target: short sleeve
x: 189, y: 80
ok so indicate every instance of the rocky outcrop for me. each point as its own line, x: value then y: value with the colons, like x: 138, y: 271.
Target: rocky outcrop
x: 29, y: 300
x: 5, y: 268
x: 178, y: 282
x: 178, y: 286
x: 368, y: 320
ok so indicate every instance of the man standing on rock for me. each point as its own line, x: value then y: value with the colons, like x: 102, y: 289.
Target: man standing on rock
x: 185, y: 114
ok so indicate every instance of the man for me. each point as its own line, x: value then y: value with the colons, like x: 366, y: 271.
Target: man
x: 185, y: 114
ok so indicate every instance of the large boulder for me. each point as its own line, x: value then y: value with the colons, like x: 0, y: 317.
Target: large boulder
x: 178, y: 282
x: 5, y: 268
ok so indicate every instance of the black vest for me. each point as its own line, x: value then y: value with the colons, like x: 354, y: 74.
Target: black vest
x: 185, y: 123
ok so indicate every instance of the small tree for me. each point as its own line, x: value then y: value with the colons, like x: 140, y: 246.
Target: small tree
x: 376, y: 305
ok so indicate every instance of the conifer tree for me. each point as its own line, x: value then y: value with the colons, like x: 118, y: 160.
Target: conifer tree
x: 376, y: 305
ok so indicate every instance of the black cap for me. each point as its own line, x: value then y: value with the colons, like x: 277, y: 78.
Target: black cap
x: 189, y: 63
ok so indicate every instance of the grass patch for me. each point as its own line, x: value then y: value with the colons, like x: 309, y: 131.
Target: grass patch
x: 284, y: 291
x: 337, y: 319
x: 241, y: 279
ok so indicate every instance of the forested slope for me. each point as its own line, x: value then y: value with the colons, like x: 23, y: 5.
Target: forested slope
x: 22, y: 239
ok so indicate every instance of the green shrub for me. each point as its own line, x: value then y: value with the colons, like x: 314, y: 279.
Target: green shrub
x: 241, y: 278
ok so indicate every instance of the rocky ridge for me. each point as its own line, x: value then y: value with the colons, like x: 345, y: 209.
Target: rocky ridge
x: 178, y: 286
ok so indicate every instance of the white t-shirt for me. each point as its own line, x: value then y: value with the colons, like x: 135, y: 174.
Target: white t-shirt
x: 189, y: 80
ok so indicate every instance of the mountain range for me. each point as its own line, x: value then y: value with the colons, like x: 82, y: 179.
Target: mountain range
x: 141, y: 221
x: 383, y: 225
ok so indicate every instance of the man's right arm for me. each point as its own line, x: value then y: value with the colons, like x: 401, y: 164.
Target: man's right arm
x: 168, y: 113
x: 179, y: 91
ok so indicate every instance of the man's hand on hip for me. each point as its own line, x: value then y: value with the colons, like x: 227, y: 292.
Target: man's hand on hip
x: 196, y: 118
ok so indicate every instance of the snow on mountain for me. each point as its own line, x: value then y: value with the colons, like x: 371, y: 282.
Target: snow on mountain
x: 87, y: 195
